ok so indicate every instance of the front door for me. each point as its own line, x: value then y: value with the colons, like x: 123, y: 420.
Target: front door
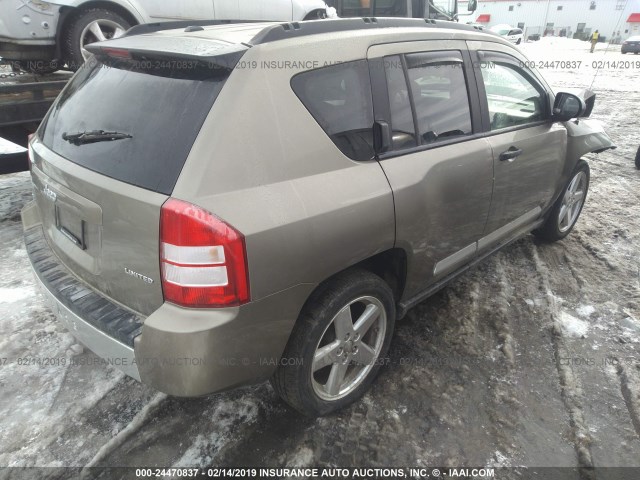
x: 528, y: 149
x: 280, y: 10
x: 172, y: 10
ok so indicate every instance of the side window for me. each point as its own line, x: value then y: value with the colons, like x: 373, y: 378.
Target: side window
x: 439, y: 90
x: 402, y: 126
x: 512, y: 98
x: 390, y: 8
x: 339, y: 98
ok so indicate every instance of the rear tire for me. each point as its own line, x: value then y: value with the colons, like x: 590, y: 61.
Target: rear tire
x: 88, y: 26
x: 566, y: 211
x: 338, y: 344
x: 638, y: 159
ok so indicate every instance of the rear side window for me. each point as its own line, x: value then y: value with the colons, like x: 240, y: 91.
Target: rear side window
x: 402, y: 125
x: 439, y: 91
x: 339, y: 98
x: 161, y: 106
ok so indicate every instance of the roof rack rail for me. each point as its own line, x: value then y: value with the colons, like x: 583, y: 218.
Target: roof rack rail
x: 283, y: 31
x: 160, y: 26
x: 286, y: 30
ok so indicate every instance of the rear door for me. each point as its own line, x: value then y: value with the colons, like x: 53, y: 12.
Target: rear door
x: 281, y: 10
x: 528, y: 149
x: 438, y: 166
x: 100, y: 200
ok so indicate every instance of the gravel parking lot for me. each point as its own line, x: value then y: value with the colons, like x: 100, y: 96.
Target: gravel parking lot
x: 530, y: 359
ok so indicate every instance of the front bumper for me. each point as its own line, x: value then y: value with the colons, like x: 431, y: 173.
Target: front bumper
x: 25, y: 51
x: 31, y: 23
x: 179, y: 351
x: 28, y: 30
x: 630, y: 48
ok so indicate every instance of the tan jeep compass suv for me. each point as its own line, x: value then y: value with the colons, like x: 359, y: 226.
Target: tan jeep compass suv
x: 219, y: 205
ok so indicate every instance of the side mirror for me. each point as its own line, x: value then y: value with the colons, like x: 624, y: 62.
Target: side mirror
x: 472, y: 6
x: 568, y: 106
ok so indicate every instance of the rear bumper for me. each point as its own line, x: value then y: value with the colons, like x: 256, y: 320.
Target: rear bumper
x: 97, y: 341
x: 179, y: 351
x: 104, y: 327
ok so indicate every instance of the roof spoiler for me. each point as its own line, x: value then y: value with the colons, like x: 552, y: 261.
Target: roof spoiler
x: 160, y: 26
x: 226, y: 61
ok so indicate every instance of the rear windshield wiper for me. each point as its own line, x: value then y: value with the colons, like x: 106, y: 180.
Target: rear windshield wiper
x: 94, y: 136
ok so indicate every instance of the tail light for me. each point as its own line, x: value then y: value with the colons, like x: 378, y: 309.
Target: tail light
x: 203, y: 259
x: 116, y: 52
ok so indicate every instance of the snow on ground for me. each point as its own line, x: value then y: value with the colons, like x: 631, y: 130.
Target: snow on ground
x: 529, y: 359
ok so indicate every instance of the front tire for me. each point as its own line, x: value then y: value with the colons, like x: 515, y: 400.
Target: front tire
x: 567, y: 209
x: 338, y: 343
x: 89, y: 26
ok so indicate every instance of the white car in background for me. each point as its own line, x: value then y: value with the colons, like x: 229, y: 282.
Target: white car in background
x: 514, y: 35
x: 42, y: 35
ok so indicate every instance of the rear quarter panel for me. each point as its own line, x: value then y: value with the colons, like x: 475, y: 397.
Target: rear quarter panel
x: 264, y: 165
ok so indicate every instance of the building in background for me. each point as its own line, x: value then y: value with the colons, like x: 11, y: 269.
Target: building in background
x: 616, y: 20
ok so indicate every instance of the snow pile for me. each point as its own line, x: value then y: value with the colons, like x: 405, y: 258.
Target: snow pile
x: 572, y: 326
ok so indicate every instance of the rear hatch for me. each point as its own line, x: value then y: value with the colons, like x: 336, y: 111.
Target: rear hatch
x: 108, y: 155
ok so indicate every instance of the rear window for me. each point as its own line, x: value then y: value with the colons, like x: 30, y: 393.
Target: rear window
x: 160, y: 105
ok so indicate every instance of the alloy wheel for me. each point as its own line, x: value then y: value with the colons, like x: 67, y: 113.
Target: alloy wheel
x: 349, y: 348
x: 99, y: 31
x: 572, y: 202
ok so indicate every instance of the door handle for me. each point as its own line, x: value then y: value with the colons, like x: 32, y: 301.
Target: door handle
x: 511, y: 154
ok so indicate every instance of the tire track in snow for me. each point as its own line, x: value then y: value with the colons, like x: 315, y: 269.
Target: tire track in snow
x: 571, y: 388
x: 630, y: 387
x: 122, y: 436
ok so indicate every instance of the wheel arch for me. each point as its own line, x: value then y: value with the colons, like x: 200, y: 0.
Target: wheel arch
x: 584, y: 136
x: 390, y: 265
x: 315, y: 14
x: 67, y: 12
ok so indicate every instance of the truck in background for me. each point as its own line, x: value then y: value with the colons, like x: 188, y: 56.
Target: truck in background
x: 25, y: 98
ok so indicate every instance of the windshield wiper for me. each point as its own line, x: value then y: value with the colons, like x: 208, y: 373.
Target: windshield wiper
x: 94, y: 136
